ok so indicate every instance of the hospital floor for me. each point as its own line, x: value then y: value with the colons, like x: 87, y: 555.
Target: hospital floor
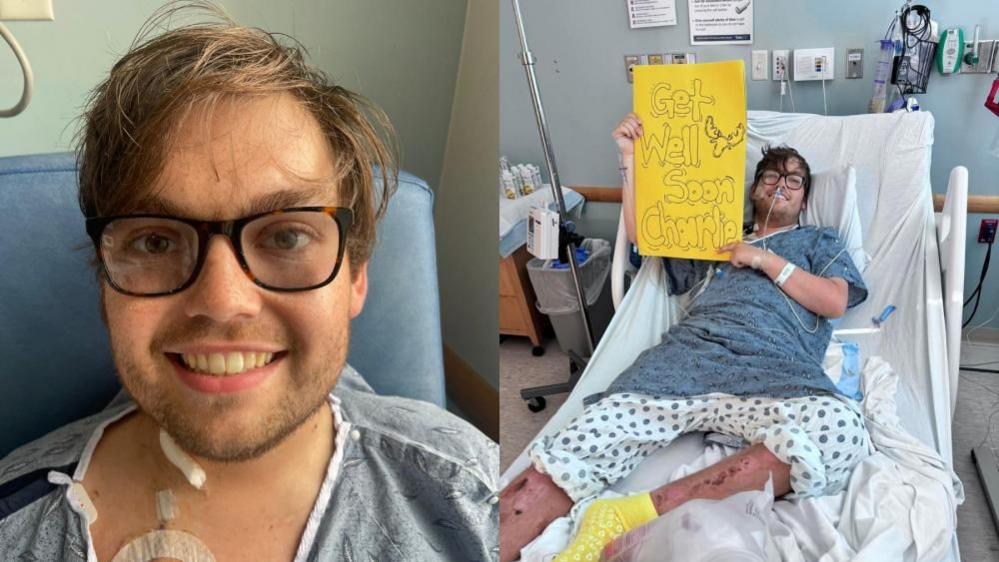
x: 978, y: 398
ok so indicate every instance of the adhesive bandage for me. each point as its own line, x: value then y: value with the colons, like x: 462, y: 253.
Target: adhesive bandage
x: 169, y: 544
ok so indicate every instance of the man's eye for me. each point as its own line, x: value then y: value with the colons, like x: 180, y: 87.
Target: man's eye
x: 152, y: 244
x: 287, y: 239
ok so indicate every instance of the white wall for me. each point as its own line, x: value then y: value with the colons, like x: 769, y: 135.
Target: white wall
x: 467, y: 218
x: 402, y: 55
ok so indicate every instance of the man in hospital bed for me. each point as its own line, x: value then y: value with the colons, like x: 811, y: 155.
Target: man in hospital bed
x: 746, y: 361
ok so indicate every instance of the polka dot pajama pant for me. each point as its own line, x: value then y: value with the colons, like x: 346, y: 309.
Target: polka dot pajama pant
x: 820, y: 437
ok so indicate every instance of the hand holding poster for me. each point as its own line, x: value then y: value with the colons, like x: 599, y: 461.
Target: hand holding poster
x: 690, y: 162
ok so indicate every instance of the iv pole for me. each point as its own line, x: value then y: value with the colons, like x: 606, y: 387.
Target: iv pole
x: 535, y: 396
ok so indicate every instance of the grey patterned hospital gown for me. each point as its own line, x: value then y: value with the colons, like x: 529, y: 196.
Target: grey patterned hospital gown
x: 413, y: 483
x: 741, y: 336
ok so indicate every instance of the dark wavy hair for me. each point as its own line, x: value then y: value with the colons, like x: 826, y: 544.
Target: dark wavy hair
x: 131, y: 117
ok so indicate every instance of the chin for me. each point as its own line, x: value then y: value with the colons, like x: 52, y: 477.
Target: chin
x: 231, y: 436
x: 228, y: 427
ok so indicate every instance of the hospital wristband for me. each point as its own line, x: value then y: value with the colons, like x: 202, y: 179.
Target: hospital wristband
x: 785, y: 273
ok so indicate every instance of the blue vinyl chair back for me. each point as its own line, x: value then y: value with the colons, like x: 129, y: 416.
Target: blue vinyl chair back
x: 56, y: 363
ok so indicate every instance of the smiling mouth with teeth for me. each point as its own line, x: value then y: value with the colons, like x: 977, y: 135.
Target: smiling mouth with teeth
x: 223, y: 364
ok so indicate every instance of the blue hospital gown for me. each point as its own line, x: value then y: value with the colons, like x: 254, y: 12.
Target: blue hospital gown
x: 740, y: 336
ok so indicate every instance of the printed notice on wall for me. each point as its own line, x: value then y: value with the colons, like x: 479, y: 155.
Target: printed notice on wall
x: 721, y: 22
x: 690, y: 161
x: 651, y: 13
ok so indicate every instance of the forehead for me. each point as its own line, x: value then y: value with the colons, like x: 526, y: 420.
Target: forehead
x: 790, y: 164
x: 244, y: 156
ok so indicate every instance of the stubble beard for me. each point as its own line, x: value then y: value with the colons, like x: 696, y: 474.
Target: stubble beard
x: 304, y: 392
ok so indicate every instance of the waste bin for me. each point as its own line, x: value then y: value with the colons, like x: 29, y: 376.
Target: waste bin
x: 556, y: 294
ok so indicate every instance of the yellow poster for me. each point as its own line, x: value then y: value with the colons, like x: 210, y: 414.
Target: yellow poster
x: 690, y: 159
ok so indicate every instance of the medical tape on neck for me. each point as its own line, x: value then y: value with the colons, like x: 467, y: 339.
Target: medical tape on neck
x: 169, y: 543
x: 166, y: 506
x: 194, y: 473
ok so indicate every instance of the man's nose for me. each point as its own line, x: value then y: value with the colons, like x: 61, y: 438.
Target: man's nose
x: 222, y: 291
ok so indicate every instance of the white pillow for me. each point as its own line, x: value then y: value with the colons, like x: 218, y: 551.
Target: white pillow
x: 833, y: 202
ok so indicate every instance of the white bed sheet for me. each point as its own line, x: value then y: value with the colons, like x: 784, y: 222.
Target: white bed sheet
x: 901, y: 499
x: 891, y: 153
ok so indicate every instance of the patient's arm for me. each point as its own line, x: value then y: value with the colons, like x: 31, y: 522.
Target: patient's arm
x: 625, y: 134
x: 821, y: 295
x: 825, y: 296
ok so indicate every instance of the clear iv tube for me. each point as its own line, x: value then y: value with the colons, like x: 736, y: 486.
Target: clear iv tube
x: 766, y: 221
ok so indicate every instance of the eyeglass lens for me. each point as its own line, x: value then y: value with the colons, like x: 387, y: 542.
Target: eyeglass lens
x: 793, y: 181
x: 290, y: 250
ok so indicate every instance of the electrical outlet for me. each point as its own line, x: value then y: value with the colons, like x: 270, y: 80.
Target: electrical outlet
x: 986, y: 57
x: 987, y: 232
x: 35, y: 10
x: 854, y: 63
x: 654, y: 59
x: 629, y: 62
x: 780, y: 64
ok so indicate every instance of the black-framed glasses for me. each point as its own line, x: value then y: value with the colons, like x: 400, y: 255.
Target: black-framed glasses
x: 295, y: 249
x: 792, y: 181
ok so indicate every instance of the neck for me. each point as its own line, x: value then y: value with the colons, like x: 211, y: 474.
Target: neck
x: 287, y: 477
x: 774, y: 224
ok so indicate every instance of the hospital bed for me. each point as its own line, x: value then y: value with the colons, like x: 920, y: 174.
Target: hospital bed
x: 57, y: 365
x: 916, y: 264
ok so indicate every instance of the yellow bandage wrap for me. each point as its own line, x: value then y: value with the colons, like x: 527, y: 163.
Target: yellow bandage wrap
x: 604, y: 521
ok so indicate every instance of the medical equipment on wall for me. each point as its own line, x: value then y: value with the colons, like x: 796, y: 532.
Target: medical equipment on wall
x: 992, y: 103
x: 992, y: 100
x: 971, y: 57
x: 28, y: 88
x: 950, y: 50
x: 914, y: 53
x: 568, y: 238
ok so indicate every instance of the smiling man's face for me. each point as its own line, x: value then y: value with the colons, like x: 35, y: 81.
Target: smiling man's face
x: 265, y: 151
x: 789, y: 204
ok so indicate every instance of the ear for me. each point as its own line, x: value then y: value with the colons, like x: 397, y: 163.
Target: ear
x: 358, y: 288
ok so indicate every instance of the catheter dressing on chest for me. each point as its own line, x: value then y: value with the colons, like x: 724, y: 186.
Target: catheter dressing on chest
x: 169, y: 543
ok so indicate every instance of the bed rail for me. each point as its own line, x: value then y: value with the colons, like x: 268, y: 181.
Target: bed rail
x: 952, y: 239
